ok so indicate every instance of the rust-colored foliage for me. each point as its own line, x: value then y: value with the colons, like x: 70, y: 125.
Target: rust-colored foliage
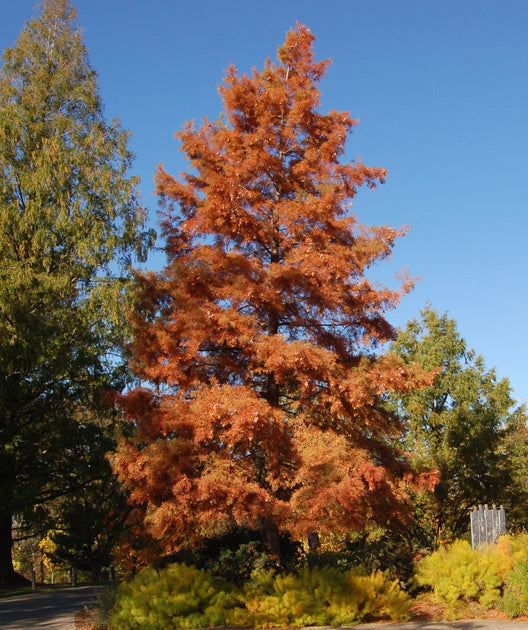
x: 258, y: 338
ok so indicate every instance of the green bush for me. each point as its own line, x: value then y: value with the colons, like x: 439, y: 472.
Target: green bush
x: 178, y: 596
x: 233, y: 556
x: 458, y: 572
x: 374, y: 549
x: 237, y: 565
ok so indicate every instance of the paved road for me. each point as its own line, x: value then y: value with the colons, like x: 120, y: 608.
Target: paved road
x: 53, y: 610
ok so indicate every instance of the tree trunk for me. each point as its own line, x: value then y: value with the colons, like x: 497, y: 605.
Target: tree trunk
x: 8, y: 576
x: 272, y: 538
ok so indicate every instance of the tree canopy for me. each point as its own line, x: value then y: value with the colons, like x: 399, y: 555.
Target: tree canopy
x: 258, y: 344
x: 70, y: 224
x: 459, y: 423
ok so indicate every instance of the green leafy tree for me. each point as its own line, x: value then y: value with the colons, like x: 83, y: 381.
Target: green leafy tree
x: 90, y: 526
x: 79, y: 529
x: 70, y: 225
x: 84, y: 527
x: 515, y: 450
x: 457, y: 425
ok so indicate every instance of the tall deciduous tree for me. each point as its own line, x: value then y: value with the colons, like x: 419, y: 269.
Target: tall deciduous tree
x: 458, y: 424
x: 259, y: 337
x: 515, y: 454
x: 70, y: 224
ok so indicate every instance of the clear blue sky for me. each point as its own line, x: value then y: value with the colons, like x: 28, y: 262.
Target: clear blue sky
x: 440, y: 88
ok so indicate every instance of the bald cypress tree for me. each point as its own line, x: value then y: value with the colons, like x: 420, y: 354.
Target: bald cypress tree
x: 260, y: 339
x: 70, y: 225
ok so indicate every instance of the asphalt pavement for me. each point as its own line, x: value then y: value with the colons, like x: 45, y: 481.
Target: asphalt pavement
x: 51, y: 610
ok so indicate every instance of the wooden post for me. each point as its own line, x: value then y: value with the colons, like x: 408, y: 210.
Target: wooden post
x: 33, y: 572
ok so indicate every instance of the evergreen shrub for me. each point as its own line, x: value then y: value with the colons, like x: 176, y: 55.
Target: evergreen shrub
x: 374, y: 549
x: 234, y: 556
x: 237, y: 565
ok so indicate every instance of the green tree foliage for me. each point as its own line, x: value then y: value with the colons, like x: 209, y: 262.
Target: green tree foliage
x: 515, y: 450
x: 70, y: 224
x: 87, y: 525
x: 457, y: 425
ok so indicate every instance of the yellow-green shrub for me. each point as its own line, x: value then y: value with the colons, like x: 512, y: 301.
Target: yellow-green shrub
x: 321, y: 597
x: 176, y: 597
x: 185, y: 597
x: 515, y: 546
x: 515, y: 598
x: 378, y: 597
x: 458, y: 572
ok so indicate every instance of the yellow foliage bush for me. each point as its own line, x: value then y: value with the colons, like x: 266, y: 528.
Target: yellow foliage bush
x: 322, y: 597
x: 458, y: 572
x: 185, y: 597
x: 515, y: 595
x: 178, y: 596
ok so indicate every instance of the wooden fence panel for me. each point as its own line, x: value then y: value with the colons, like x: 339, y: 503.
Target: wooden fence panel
x: 487, y: 524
